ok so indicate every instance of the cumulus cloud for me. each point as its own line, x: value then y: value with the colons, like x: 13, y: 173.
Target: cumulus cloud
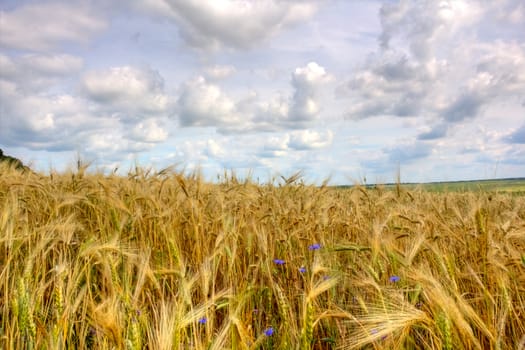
x: 112, y: 146
x: 444, y: 75
x: 270, y: 114
x: 129, y: 90
x: 134, y: 100
x: 310, y: 139
x: 275, y: 146
x: 392, y: 84
x: 149, y: 131
x: 443, y: 66
x: 42, y: 26
x: 35, y: 72
x: 306, y: 81
x: 34, y: 113
x: 51, y: 64
x: 424, y: 24
x: 214, y: 149
x: 30, y: 116
x: 303, y: 140
x: 500, y: 69
x: 204, y: 104
x: 210, y: 24
x: 499, y: 74
x: 42, y: 122
x: 222, y: 153
x: 302, y: 108
x: 39, y: 65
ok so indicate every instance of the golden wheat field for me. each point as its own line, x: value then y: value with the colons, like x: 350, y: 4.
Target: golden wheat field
x: 167, y: 261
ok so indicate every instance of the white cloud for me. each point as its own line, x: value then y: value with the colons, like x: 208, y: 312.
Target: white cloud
x: 203, y: 104
x: 213, y: 149
x: 392, y: 84
x: 43, y: 26
x: 74, y: 75
x: 126, y: 89
x: 39, y: 117
x: 444, y: 76
x: 149, y: 131
x: 275, y: 146
x: 498, y: 75
x: 303, y: 140
x: 407, y: 80
x: 271, y: 114
x: 302, y: 108
x: 310, y: 139
x: 501, y: 68
x: 222, y: 152
x: 306, y: 82
x: 42, y: 122
x: 212, y: 24
x: 36, y: 72
x: 424, y: 24
x: 51, y: 64
x: 112, y: 146
x: 190, y: 153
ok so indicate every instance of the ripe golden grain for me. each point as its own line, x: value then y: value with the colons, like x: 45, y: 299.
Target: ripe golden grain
x: 167, y: 261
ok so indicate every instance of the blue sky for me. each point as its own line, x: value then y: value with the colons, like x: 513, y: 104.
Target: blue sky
x: 332, y: 88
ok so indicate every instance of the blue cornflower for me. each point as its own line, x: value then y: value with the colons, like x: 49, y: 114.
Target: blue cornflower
x: 203, y: 320
x: 375, y: 331
x: 394, y: 278
x: 279, y: 261
x: 302, y: 269
x: 268, y: 331
x: 315, y: 246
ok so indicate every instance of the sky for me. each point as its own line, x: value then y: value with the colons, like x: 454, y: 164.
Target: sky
x: 349, y: 91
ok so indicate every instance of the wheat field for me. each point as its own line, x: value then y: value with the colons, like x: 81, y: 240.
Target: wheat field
x: 165, y: 260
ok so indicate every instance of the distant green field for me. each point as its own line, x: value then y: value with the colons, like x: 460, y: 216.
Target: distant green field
x: 497, y: 185
x: 515, y: 185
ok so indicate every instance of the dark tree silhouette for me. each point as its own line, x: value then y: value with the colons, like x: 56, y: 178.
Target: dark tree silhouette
x: 12, y: 161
